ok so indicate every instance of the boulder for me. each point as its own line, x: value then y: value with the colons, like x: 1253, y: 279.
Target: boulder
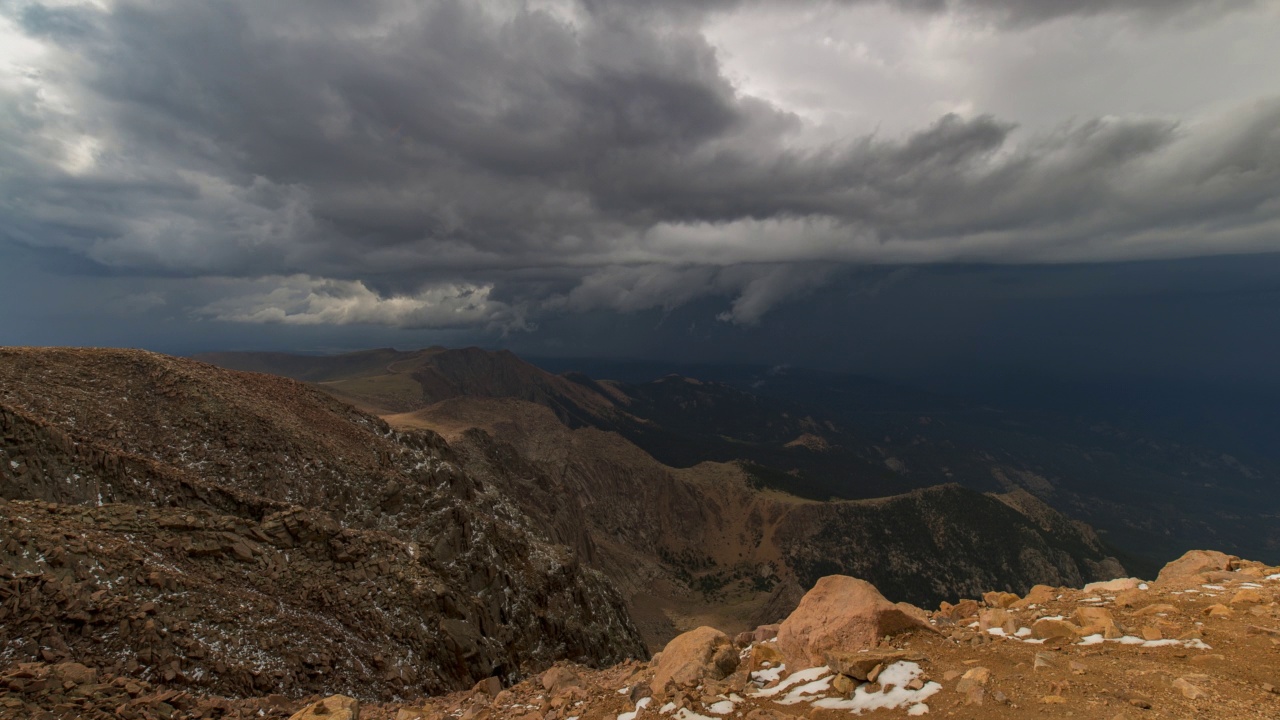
x: 334, y: 707
x: 840, y: 613
x: 1246, y: 596
x: 1048, y: 628
x: 1113, y: 586
x: 994, y: 618
x: 762, y: 653
x: 490, y: 686
x: 1195, y: 562
x: 858, y: 665
x: 1156, y: 609
x: 695, y: 656
x: 963, y: 609
x: 765, y: 632
x: 559, y: 678
x: 74, y: 672
x: 1096, y: 620
x: 999, y: 599
x: 1217, y: 611
x: 1037, y: 595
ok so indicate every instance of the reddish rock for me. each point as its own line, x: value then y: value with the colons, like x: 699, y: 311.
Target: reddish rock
x: 702, y: 654
x: 334, y: 707
x: 1195, y: 562
x: 840, y: 614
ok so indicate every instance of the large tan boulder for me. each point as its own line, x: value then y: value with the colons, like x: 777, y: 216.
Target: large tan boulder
x: 1049, y: 628
x: 1096, y: 621
x: 559, y: 678
x: 334, y: 707
x: 840, y: 613
x: 702, y: 654
x: 1195, y: 562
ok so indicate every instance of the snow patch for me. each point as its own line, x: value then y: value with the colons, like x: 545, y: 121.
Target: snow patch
x: 724, y: 707
x: 803, y: 676
x: 816, y: 687
x: 893, y: 692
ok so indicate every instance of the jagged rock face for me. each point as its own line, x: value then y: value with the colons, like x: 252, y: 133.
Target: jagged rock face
x: 247, y: 534
x: 705, y: 529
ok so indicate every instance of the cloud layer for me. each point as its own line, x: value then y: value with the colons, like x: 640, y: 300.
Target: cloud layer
x: 451, y: 163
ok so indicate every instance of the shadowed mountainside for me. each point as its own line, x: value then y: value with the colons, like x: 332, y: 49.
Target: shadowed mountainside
x: 244, y: 533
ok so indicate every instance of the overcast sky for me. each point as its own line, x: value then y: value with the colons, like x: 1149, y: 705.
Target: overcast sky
x: 323, y: 173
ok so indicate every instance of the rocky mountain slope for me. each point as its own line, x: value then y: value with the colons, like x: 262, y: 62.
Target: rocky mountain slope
x: 708, y: 544
x: 238, y: 533
x: 822, y: 435
x: 1202, y: 640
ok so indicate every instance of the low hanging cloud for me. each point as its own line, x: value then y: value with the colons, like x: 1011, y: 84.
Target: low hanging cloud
x: 450, y: 163
x: 302, y: 300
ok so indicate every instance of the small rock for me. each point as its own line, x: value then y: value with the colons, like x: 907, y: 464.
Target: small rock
x: 1188, y: 690
x: 334, y: 707
x: 1217, y: 611
x: 490, y: 686
x: 1246, y: 596
x: 1043, y: 661
x: 1046, y: 628
x: 843, y: 684
x: 1000, y: 599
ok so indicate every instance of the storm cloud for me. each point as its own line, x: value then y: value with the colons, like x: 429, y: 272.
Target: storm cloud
x: 484, y: 164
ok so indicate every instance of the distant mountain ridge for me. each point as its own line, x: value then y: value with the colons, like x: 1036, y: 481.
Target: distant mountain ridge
x: 713, y: 535
x: 822, y: 435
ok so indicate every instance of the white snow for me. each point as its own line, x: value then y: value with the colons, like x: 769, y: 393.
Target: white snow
x: 687, y: 714
x: 724, y: 707
x: 997, y: 631
x: 918, y: 709
x: 667, y: 709
x: 1213, y: 587
x: 1143, y: 586
x: 1274, y: 577
x: 803, y: 676
x: 893, y: 692
x: 641, y: 704
x: 813, y: 688
x: 764, y: 677
x: 1095, y: 639
x: 1023, y: 632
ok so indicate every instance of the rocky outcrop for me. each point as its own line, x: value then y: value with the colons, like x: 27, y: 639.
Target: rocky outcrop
x: 245, y: 534
x: 1175, y: 658
x: 840, y: 614
x: 1196, y: 562
x: 695, y: 656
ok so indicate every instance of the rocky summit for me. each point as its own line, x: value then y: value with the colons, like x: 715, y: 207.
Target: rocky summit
x: 1202, y: 640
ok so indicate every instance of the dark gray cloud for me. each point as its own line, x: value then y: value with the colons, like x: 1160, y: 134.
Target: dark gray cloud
x: 451, y: 163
